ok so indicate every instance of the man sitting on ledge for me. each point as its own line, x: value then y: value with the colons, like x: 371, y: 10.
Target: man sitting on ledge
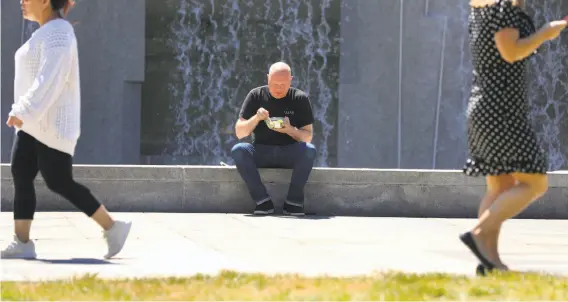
x: 287, y: 147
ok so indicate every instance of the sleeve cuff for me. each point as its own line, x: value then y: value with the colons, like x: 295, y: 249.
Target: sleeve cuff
x: 19, y: 111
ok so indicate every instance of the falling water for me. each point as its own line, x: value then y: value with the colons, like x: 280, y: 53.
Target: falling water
x: 548, y: 91
x: 223, y: 49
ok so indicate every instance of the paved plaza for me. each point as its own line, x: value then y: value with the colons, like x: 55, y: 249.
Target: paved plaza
x: 69, y: 244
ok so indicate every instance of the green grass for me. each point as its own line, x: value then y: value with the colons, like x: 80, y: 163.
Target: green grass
x: 235, y: 286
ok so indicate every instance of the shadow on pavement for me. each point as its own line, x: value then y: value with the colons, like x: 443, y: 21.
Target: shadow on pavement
x: 82, y: 261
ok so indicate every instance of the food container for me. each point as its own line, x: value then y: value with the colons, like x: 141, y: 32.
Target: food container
x: 275, y: 122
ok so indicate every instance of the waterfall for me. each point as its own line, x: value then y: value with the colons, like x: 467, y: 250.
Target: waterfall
x: 548, y: 86
x: 223, y: 49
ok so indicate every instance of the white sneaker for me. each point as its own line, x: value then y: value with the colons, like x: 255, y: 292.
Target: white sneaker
x: 19, y: 250
x: 116, y: 237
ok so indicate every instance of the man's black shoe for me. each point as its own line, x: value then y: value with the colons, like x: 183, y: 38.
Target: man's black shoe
x: 264, y: 208
x: 293, y: 209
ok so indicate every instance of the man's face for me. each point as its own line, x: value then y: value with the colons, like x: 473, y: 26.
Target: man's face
x: 279, y: 83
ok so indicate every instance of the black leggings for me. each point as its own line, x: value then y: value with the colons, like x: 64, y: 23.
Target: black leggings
x: 30, y: 156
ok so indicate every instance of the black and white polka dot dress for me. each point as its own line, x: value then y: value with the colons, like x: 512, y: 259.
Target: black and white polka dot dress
x: 501, y: 139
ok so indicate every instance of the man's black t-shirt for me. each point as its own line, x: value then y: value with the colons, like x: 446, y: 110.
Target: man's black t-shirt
x: 295, y: 105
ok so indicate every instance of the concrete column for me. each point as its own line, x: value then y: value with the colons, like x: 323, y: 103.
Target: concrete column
x: 404, y: 84
x: 10, y: 35
x: 369, y: 82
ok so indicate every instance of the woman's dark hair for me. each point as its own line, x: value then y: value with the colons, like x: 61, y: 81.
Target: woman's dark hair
x: 65, y: 5
x: 58, y: 4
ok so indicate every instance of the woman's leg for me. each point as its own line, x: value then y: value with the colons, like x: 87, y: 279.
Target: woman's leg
x: 496, y: 185
x: 509, y: 204
x: 24, y: 171
x: 56, y: 168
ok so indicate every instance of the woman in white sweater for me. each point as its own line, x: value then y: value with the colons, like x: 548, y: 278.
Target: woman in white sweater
x: 47, y: 115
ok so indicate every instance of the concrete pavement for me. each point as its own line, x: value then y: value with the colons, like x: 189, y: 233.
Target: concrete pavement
x: 69, y: 244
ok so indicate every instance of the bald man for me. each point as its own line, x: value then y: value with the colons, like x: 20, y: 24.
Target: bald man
x: 288, y: 147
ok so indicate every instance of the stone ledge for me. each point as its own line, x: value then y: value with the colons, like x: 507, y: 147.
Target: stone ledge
x: 330, y: 191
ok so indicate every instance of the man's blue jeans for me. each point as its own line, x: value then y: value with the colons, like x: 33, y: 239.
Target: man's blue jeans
x: 298, y: 156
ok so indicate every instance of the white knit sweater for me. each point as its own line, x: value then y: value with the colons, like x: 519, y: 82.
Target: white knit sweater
x: 47, y: 96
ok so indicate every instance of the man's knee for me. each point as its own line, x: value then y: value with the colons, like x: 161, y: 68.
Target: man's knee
x: 241, y: 151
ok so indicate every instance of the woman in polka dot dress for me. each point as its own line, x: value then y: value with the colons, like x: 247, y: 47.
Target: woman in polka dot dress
x: 501, y: 142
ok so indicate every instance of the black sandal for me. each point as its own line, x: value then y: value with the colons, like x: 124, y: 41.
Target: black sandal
x: 467, y: 239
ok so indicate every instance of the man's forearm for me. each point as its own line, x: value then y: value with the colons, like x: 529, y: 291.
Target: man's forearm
x: 245, y: 128
x: 301, y: 135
